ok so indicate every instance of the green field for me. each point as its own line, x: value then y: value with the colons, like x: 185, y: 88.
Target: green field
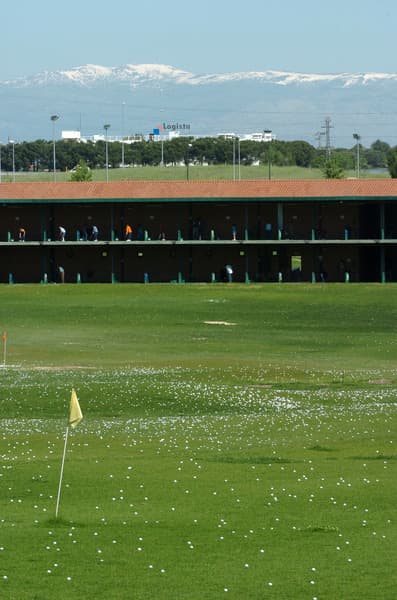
x: 238, y: 442
x: 196, y: 173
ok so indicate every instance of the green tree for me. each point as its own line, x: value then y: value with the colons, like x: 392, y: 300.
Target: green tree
x: 376, y: 155
x: 392, y: 162
x: 332, y: 169
x: 302, y: 153
x: 82, y: 172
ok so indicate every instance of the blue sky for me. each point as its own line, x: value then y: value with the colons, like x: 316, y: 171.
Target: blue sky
x: 200, y: 36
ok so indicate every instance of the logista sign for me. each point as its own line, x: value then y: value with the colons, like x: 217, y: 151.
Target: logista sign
x: 171, y: 127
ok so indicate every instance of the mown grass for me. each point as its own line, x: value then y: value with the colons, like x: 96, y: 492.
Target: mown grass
x: 196, y: 172
x: 254, y: 460
x: 333, y: 328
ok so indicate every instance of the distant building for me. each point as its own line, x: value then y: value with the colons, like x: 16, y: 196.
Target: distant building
x: 74, y: 136
x: 160, y: 136
x: 227, y: 136
x: 264, y: 136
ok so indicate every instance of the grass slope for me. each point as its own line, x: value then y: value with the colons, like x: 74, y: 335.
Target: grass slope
x: 254, y: 460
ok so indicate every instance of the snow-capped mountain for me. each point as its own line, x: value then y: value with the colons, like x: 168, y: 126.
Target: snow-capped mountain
x: 88, y: 75
x: 136, y: 97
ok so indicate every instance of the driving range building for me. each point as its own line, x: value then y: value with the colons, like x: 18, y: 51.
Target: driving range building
x: 188, y: 231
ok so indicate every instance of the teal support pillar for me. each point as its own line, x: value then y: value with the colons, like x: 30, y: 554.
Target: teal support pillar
x: 247, y: 277
x: 180, y: 238
x: 212, y: 235
x: 382, y: 265
x: 45, y: 278
x: 280, y: 220
x: 10, y: 278
x: 44, y: 222
x: 280, y: 277
x: 180, y: 278
x: 213, y: 278
x: 146, y: 235
x: 313, y: 234
x: 246, y: 228
x: 9, y: 238
x: 382, y: 221
x: 113, y: 235
x: 78, y: 278
x: 347, y: 277
x: 313, y: 277
x: 113, y: 274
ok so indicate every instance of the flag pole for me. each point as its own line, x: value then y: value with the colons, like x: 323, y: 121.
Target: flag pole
x: 61, y: 475
x: 75, y: 416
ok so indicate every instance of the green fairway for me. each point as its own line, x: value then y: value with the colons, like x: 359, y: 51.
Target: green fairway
x: 238, y: 441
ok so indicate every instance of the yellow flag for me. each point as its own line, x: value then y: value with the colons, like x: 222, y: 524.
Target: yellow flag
x: 75, y: 411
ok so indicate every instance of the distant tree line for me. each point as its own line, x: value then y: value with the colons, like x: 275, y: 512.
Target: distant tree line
x: 38, y: 155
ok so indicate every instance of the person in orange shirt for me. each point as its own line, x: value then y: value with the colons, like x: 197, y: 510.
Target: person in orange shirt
x: 128, y: 232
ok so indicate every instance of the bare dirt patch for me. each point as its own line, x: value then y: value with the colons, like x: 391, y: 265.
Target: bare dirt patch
x: 59, y: 368
x: 226, y: 323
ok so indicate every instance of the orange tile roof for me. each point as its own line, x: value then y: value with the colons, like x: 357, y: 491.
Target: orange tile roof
x: 331, y: 188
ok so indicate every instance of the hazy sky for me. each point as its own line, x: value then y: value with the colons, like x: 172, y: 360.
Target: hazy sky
x: 200, y: 36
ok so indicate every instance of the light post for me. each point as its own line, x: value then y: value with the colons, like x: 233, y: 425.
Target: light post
x: 357, y: 137
x: 187, y: 161
x: 162, y: 151
x: 161, y: 130
x: 122, y: 134
x: 12, y: 142
x: 268, y: 133
x: 54, y: 118
x: 106, y: 127
x: 239, y: 157
x: 234, y: 157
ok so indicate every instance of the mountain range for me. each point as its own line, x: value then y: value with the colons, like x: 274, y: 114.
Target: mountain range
x: 135, y: 98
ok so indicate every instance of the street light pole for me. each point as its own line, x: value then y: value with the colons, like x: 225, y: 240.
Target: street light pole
x: 122, y: 134
x: 239, y: 157
x: 106, y: 127
x: 234, y: 157
x: 12, y: 142
x: 357, y: 137
x: 54, y: 118
x: 269, y: 132
x: 187, y: 161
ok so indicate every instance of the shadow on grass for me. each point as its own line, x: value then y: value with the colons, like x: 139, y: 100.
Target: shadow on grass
x: 60, y: 522
x: 318, y: 448
x: 320, y: 529
x: 377, y: 457
x: 254, y: 460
